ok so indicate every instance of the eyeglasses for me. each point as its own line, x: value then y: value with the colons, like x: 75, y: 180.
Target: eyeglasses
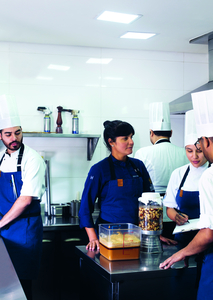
x: 197, y: 143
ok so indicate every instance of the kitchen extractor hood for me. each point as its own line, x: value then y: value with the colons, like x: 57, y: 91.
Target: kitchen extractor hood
x: 184, y: 103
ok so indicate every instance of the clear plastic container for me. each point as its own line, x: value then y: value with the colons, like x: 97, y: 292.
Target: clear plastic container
x: 120, y: 241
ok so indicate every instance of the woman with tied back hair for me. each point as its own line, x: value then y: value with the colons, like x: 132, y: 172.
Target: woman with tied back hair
x: 116, y: 181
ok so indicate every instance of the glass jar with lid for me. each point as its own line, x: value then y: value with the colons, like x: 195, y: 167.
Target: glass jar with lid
x: 151, y: 221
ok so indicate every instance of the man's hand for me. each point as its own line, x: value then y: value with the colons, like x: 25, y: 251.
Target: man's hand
x: 178, y: 256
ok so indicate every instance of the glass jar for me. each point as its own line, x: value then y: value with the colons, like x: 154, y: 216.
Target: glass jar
x: 151, y: 213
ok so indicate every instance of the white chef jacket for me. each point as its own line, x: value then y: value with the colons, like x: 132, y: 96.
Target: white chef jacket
x: 191, y: 183
x: 33, y: 171
x: 206, y: 199
x: 161, y: 160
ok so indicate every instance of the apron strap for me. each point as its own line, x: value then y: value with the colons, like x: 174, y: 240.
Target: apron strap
x: 2, y: 159
x: 35, y: 214
x: 184, y: 178
x: 185, y: 175
x: 112, y: 169
x: 20, y: 158
x: 7, y: 226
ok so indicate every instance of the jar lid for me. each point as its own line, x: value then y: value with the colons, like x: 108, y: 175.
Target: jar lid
x: 149, y: 198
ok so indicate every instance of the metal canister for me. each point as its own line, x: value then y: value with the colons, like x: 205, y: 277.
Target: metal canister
x: 77, y: 207
x: 72, y: 208
x: 75, y: 124
x: 47, y: 125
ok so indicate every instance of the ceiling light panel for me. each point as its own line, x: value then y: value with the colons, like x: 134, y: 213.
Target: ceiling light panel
x: 99, y: 61
x: 44, y: 78
x: 137, y: 35
x: 113, y: 78
x: 58, y: 67
x: 117, y: 17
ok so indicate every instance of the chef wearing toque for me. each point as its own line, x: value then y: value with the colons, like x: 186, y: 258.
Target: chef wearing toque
x: 182, y: 194
x: 163, y: 157
x: 203, y: 241
x: 22, y: 184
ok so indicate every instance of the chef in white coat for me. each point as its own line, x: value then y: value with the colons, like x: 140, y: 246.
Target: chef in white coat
x: 182, y: 194
x: 164, y: 157
x: 22, y: 184
x: 203, y: 241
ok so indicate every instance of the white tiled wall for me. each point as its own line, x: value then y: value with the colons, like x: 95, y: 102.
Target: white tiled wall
x: 122, y: 90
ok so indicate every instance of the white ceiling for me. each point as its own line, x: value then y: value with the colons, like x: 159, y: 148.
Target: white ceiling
x: 72, y: 22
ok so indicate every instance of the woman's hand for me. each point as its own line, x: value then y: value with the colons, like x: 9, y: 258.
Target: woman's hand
x: 181, y: 219
x: 93, y: 245
x: 93, y: 239
x: 168, y: 241
x: 92, y: 254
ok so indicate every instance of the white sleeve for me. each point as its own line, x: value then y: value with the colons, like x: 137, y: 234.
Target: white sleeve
x: 33, y: 175
x: 206, y: 196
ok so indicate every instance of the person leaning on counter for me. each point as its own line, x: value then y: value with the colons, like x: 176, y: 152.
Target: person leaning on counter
x: 203, y: 241
x: 22, y: 184
x: 117, y: 181
x: 182, y: 194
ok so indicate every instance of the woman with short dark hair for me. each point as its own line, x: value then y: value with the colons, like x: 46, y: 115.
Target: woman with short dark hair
x: 116, y: 181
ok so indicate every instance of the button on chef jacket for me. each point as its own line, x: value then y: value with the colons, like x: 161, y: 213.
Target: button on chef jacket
x: 97, y: 187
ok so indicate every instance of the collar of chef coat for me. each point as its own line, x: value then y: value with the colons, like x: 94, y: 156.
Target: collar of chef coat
x: 193, y: 177
x: 9, y: 163
x: 163, y: 140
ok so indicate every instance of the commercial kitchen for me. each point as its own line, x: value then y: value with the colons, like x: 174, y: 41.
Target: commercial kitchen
x: 46, y: 61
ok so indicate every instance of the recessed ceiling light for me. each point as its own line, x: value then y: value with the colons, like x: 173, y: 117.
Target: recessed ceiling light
x: 137, y: 35
x: 99, y: 60
x: 117, y: 17
x: 58, y: 67
x: 113, y: 78
x: 44, y: 78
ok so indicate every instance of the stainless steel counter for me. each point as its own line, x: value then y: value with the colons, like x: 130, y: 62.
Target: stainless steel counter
x: 10, y: 287
x: 136, y: 278
x: 63, y: 223
x: 60, y: 223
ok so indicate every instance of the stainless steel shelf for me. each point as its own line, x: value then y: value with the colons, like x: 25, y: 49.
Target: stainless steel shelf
x: 92, y: 139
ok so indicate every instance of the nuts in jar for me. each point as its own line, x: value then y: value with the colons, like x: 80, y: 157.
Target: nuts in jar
x: 151, y: 218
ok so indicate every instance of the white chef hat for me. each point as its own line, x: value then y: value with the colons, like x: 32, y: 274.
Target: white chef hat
x: 8, y: 113
x: 190, y: 128
x: 203, y: 109
x: 159, y: 116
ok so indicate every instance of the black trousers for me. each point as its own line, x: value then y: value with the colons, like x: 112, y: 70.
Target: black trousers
x: 168, y: 228
x: 27, y: 287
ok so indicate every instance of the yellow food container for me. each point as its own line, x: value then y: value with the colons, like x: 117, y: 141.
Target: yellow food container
x: 120, y: 241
